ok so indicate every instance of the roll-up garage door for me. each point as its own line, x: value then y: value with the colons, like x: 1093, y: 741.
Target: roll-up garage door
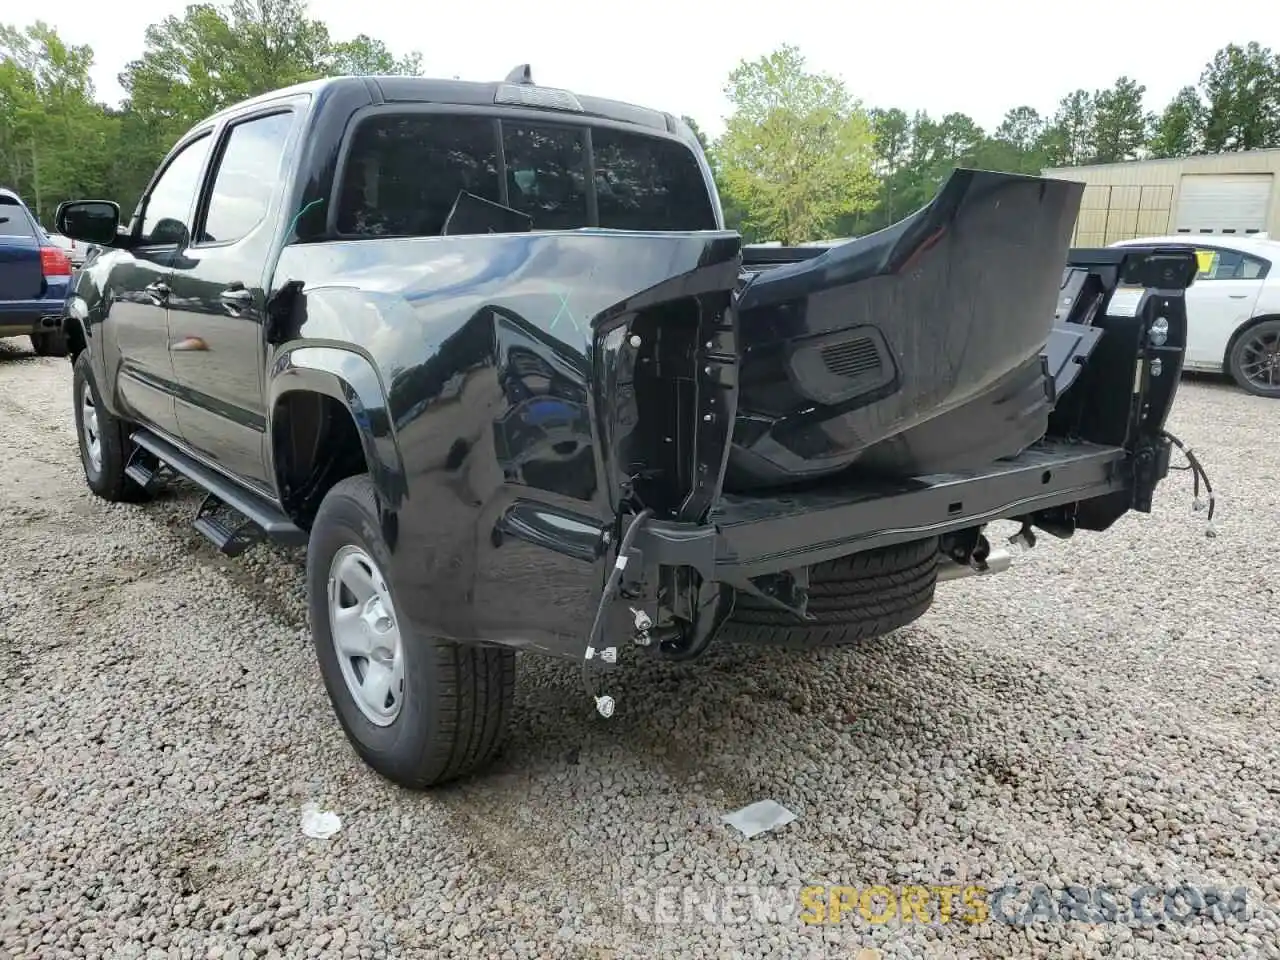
x: 1233, y: 203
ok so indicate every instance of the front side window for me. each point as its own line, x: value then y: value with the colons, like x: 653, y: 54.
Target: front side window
x: 404, y: 171
x: 546, y: 175
x: 647, y: 183
x: 248, y: 174
x: 166, y: 219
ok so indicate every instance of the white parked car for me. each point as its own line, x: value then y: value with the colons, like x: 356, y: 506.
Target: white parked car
x: 76, y: 252
x: 1233, y: 309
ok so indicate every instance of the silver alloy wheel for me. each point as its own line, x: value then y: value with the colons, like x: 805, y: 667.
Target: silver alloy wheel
x: 89, y: 427
x: 366, y: 635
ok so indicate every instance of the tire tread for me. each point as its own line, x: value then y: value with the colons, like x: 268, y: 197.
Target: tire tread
x: 851, y: 599
x: 474, y: 691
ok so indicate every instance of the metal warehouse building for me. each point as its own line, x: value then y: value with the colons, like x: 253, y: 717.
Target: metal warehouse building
x: 1224, y: 193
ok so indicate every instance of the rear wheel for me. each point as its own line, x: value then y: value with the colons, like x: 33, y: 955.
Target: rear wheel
x: 853, y: 598
x: 103, y: 438
x: 1254, y: 362
x: 418, y: 710
x: 51, y: 344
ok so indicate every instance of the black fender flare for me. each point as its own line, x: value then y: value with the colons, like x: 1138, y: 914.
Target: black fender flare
x: 75, y: 325
x: 351, y: 378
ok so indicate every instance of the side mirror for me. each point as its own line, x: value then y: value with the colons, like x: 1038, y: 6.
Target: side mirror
x: 169, y: 230
x: 89, y: 221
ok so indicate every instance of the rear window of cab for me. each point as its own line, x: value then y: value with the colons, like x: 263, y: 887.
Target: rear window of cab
x: 404, y: 172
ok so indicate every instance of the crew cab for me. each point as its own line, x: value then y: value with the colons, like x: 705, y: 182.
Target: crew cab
x: 489, y: 352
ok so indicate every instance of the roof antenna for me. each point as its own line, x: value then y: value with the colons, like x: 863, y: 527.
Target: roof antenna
x: 521, y: 74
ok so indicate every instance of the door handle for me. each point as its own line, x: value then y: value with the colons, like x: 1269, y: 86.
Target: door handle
x: 237, y: 296
x: 1237, y: 296
x: 158, y: 291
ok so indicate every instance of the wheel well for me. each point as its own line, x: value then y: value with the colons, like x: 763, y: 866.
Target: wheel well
x: 1240, y: 332
x: 315, y: 444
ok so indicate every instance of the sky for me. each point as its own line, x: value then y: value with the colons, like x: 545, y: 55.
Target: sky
x: 978, y: 57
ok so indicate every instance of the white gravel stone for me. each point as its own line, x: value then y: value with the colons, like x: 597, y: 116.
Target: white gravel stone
x: 1105, y: 713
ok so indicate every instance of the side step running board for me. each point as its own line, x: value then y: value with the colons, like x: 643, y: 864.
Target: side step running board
x: 261, y: 518
x: 224, y: 528
x: 145, y: 469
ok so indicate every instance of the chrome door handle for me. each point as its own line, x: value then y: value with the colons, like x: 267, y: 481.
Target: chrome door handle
x: 158, y: 291
x: 1237, y: 296
x: 236, y: 295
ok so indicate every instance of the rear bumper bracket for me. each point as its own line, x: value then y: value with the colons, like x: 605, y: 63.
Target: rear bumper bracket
x: 747, y: 537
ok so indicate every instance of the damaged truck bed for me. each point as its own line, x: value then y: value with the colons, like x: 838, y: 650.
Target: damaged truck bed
x: 489, y: 352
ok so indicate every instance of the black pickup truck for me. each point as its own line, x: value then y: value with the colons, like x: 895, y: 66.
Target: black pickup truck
x: 488, y: 350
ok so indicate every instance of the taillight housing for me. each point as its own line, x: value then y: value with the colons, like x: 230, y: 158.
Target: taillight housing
x: 54, y: 263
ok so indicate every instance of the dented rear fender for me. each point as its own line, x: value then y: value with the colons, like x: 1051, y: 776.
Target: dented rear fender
x: 526, y: 378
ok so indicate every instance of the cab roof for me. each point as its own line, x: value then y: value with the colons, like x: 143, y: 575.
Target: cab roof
x: 516, y: 91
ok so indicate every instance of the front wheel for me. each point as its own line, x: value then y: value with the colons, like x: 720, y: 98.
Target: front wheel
x: 1254, y: 362
x: 103, y: 438
x: 418, y: 710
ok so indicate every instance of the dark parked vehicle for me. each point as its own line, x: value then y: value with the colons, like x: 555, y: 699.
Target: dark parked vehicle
x: 34, y: 275
x: 489, y: 352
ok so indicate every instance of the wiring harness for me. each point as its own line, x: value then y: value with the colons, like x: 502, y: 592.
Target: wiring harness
x: 1199, y: 475
x: 604, y: 703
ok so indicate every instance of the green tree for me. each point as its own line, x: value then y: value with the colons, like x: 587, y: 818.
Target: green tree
x: 54, y: 139
x: 1068, y: 140
x: 797, y: 151
x: 211, y: 57
x: 1017, y: 146
x: 1120, y: 124
x: 892, y: 132
x: 699, y: 135
x: 1021, y: 128
x: 364, y: 56
x: 1179, y: 130
x: 1241, y: 88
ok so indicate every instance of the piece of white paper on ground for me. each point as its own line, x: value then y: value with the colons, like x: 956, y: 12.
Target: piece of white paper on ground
x: 758, y: 817
x: 319, y: 824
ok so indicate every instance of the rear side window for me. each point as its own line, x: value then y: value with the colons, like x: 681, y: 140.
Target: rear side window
x: 249, y: 172
x: 645, y: 183
x: 14, y: 221
x: 1229, y: 265
x: 546, y: 174
x: 404, y: 172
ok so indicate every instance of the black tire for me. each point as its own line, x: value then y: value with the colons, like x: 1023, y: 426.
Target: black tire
x: 854, y: 598
x: 107, y: 479
x: 1267, y: 333
x: 456, y: 699
x: 51, y: 344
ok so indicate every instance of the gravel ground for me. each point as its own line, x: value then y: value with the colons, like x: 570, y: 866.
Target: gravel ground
x: 1106, y: 713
